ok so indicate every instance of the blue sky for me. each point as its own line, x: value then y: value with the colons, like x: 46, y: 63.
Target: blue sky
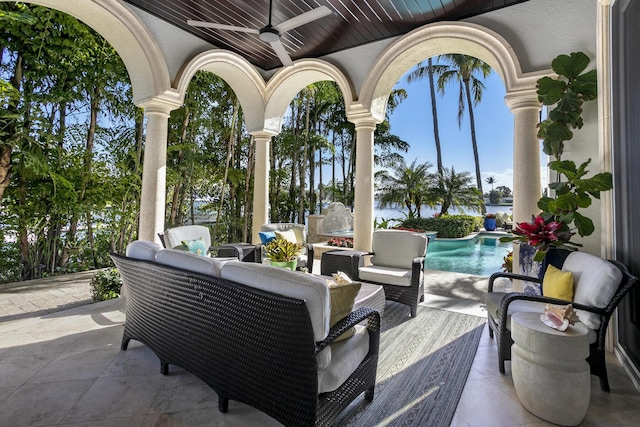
x: 412, y: 122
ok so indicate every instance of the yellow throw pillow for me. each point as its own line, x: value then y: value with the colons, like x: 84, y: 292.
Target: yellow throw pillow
x: 287, y: 235
x: 342, y: 298
x: 557, y: 284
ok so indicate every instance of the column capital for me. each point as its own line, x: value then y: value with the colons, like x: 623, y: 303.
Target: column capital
x: 263, y: 134
x: 522, y: 100
x: 364, y: 122
x: 162, y: 104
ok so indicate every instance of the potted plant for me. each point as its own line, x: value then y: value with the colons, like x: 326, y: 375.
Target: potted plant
x: 490, y: 222
x: 572, y: 190
x: 283, y: 253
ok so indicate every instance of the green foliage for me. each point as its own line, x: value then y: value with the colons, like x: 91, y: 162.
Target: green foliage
x: 406, y: 185
x: 280, y: 250
x: 105, y: 285
x: 447, y: 226
x: 572, y: 189
x: 568, y: 93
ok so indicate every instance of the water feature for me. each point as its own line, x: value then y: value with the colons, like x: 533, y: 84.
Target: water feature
x: 481, y: 254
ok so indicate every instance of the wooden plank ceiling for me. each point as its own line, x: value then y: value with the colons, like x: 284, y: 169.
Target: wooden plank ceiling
x: 352, y: 23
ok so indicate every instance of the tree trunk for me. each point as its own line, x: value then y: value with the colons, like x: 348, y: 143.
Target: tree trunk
x: 6, y: 149
x: 434, y: 114
x: 303, y: 163
x: 227, y: 163
x: 248, y: 202
x: 474, y: 142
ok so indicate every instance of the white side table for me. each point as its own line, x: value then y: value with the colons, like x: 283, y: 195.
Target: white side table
x: 549, y: 369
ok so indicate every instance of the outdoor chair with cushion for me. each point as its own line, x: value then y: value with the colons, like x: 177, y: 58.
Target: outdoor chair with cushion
x: 195, y: 238
x: 397, y: 264
x: 593, y: 285
x: 296, y: 233
x: 173, y: 238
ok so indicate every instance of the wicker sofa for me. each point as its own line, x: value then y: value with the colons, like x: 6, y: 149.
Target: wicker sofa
x: 254, y: 333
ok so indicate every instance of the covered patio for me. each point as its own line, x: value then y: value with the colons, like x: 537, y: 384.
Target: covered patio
x: 517, y: 38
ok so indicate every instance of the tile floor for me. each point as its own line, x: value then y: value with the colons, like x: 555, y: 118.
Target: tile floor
x: 66, y: 369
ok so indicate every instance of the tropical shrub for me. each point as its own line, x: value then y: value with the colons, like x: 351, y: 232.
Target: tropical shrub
x: 447, y: 226
x: 105, y: 285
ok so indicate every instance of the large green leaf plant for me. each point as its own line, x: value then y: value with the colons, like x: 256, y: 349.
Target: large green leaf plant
x: 572, y: 189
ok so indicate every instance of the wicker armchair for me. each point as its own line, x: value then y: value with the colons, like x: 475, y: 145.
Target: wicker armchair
x: 397, y: 264
x: 599, y: 286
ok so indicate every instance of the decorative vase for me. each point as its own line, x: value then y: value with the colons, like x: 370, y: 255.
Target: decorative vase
x: 291, y: 265
x: 490, y: 224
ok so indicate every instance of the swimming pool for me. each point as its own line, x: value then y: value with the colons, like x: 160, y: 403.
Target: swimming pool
x: 481, y: 254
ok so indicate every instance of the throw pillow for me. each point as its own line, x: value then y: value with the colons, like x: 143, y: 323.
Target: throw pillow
x: 266, y: 236
x: 196, y: 246
x: 557, y: 284
x: 287, y: 235
x: 342, y: 297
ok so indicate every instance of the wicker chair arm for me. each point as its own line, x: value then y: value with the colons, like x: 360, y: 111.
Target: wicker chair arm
x: 236, y: 249
x: 355, y: 317
x: 494, y: 276
x: 516, y: 296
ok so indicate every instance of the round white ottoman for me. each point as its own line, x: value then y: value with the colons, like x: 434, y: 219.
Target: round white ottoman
x: 549, y: 369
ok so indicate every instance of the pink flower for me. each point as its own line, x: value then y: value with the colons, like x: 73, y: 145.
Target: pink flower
x: 539, y: 232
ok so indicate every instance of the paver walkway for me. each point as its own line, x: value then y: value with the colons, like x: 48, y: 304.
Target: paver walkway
x: 33, y: 298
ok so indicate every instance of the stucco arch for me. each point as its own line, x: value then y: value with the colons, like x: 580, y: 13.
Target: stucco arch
x: 240, y: 75
x: 288, y: 81
x: 138, y: 49
x: 437, y: 39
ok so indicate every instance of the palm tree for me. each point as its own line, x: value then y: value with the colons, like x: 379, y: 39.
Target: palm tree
x: 456, y: 190
x: 462, y: 69
x: 417, y: 74
x: 406, y: 185
x: 491, y: 180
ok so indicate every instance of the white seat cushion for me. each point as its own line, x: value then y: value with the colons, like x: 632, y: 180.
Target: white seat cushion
x: 143, y: 249
x: 386, y: 275
x: 595, y: 281
x: 346, y: 355
x: 312, y: 289
x: 192, y: 262
x: 493, y: 300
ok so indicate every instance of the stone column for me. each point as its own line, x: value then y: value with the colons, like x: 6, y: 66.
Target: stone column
x: 154, y: 173
x: 526, y: 161
x: 260, y: 184
x: 363, y: 203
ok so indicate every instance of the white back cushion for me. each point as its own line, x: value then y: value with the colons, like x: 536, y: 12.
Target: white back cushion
x: 143, y: 249
x: 595, y: 281
x: 312, y: 289
x: 397, y: 248
x: 174, y: 236
x: 192, y: 262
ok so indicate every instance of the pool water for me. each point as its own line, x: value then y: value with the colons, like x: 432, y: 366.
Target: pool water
x: 483, y: 255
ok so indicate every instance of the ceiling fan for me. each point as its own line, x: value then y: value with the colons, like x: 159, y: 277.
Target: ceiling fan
x: 272, y: 33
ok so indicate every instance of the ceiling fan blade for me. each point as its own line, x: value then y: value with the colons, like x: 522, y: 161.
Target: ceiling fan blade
x: 279, y: 49
x: 306, y: 17
x: 221, y: 26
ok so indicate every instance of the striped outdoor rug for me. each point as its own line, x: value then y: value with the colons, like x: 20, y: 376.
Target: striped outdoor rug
x: 423, y: 367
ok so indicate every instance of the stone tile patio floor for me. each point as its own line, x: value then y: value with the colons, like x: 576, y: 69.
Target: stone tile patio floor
x: 61, y: 365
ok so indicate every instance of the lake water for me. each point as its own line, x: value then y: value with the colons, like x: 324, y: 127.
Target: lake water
x: 427, y: 212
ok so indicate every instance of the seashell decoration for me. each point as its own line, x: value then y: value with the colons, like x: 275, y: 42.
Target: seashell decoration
x: 339, y: 278
x: 559, y: 316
